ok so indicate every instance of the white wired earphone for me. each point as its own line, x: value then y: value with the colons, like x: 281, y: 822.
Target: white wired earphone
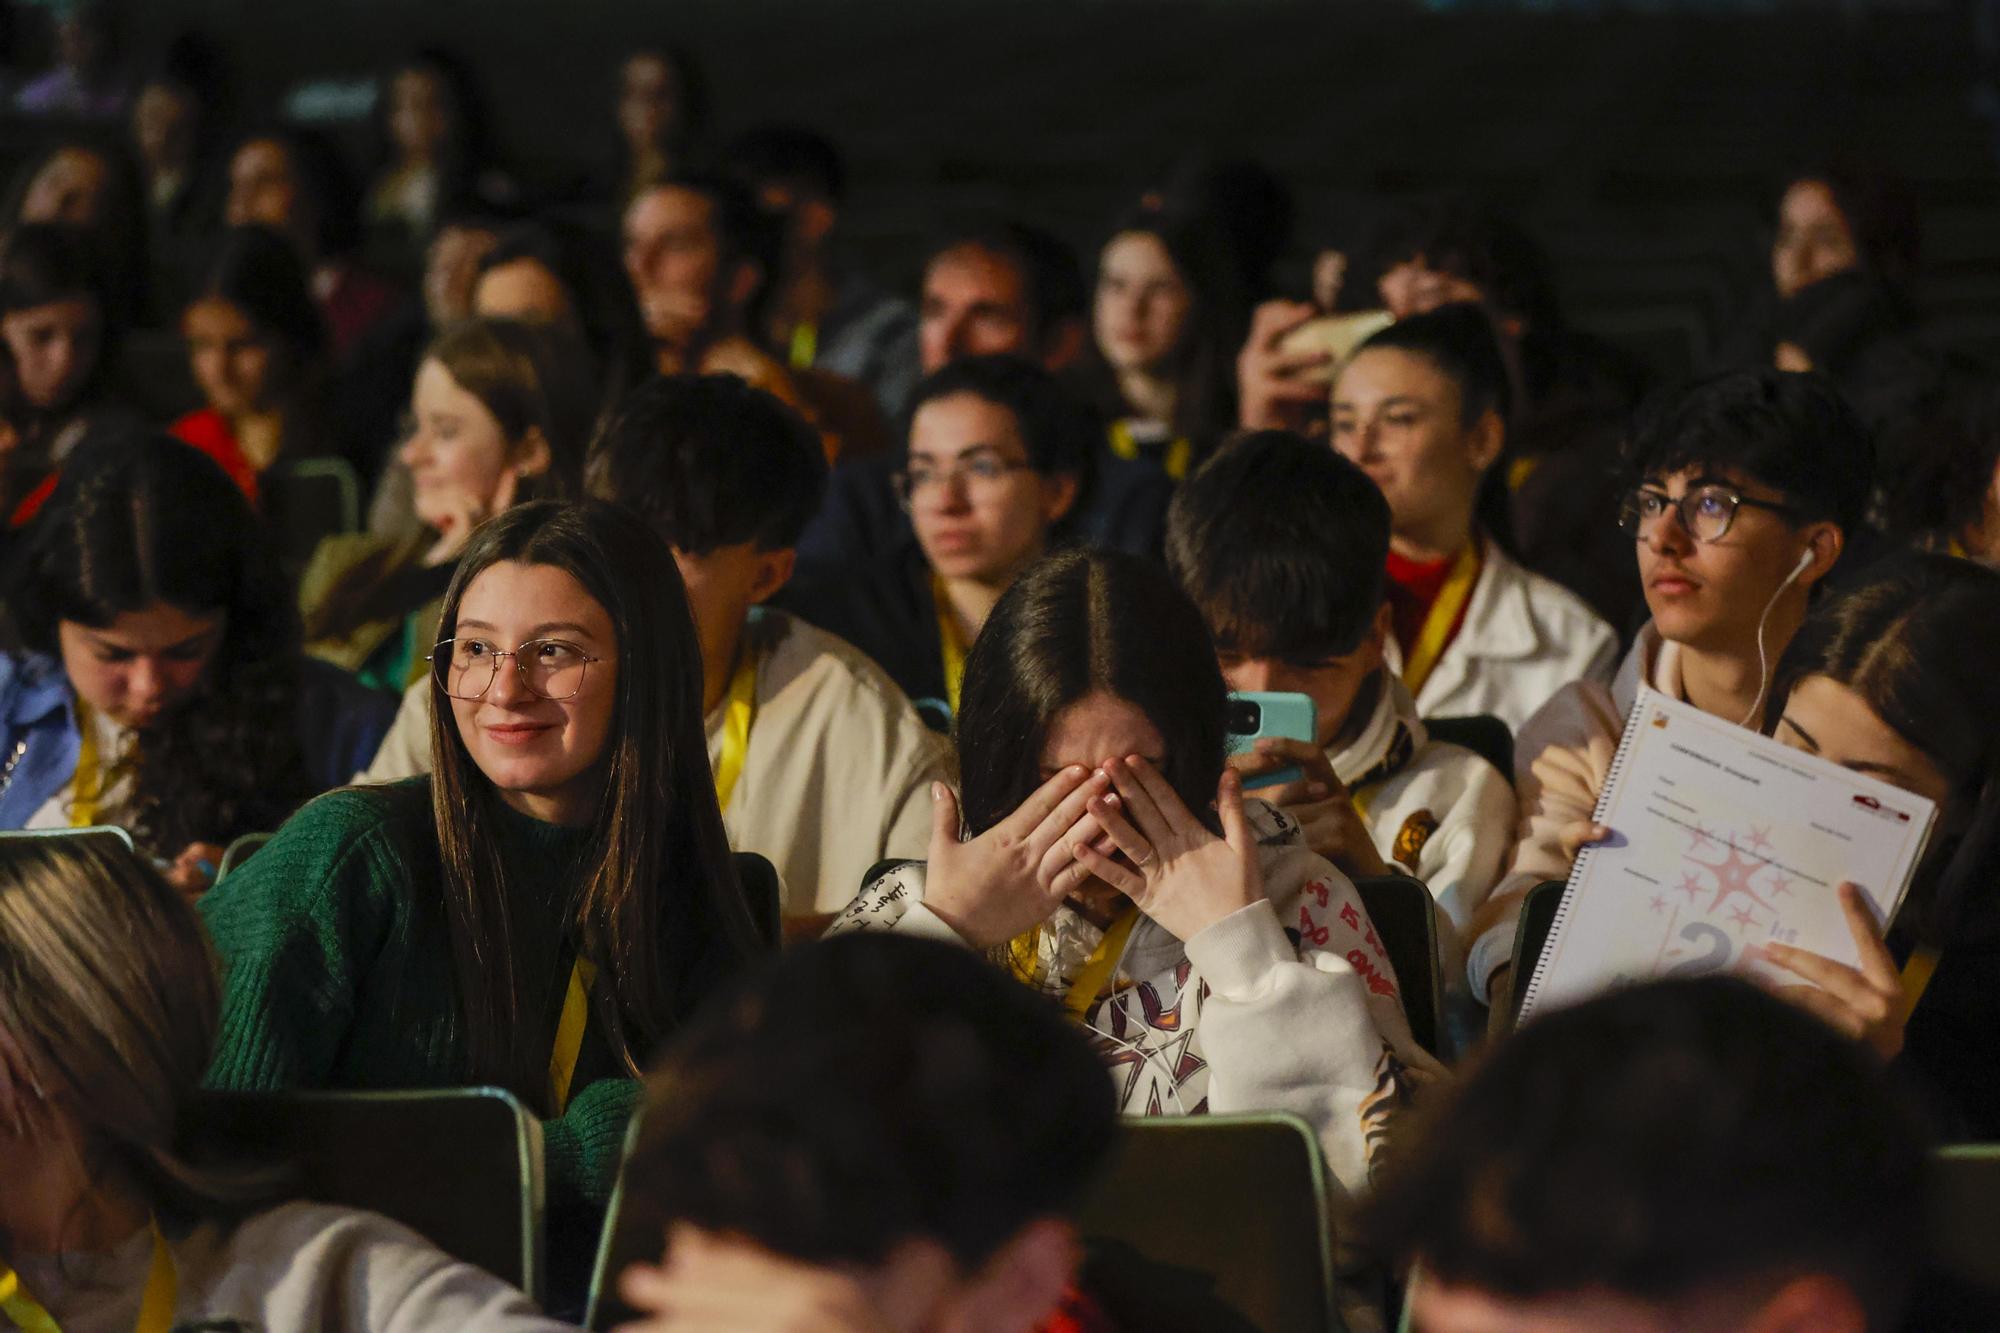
x: 1763, y: 664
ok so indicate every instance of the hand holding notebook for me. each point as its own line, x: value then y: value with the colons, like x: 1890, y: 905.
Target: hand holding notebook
x: 1721, y: 840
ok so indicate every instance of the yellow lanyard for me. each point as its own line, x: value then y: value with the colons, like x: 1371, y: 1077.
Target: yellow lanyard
x: 1096, y: 970
x: 950, y: 644
x: 740, y: 711
x: 805, y: 346
x: 1125, y: 445
x: 87, y: 788
x: 569, y: 1031
x: 741, y: 708
x: 1917, y: 975
x: 1436, y: 633
x: 156, y: 1306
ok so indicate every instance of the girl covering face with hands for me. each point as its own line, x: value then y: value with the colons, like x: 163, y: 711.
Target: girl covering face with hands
x: 1099, y: 851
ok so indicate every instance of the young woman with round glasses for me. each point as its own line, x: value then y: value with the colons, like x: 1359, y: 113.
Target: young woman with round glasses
x: 544, y: 910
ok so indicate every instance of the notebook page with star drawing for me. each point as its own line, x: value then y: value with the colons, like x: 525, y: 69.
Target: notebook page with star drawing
x: 1722, y: 839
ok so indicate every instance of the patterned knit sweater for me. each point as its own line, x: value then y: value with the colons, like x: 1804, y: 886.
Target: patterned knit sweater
x: 337, y: 973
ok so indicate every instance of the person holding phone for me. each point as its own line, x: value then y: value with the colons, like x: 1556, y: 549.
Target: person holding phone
x: 1280, y: 542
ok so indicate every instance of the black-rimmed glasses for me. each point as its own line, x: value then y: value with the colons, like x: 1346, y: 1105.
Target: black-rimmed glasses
x: 465, y: 668
x: 1706, y: 511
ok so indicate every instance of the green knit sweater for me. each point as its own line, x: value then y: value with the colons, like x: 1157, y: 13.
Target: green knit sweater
x: 337, y: 974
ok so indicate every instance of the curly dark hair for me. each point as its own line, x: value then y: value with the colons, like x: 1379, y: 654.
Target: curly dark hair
x: 139, y: 520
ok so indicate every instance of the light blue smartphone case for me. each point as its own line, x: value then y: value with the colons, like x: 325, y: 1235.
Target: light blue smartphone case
x: 1284, y: 714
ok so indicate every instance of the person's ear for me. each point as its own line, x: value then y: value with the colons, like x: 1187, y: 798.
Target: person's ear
x: 1063, y: 345
x: 1486, y: 439
x: 1059, y: 493
x: 1374, y: 644
x: 532, y: 456
x: 1824, y: 542
x: 744, y: 279
x: 1815, y: 1303
x: 813, y: 221
x: 774, y: 571
x: 1021, y: 1285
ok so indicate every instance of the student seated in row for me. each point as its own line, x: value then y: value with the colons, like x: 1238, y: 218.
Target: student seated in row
x: 1099, y: 849
x: 499, y: 413
x: 114, y: 1216
x: 795, y: 1175
x: 1423, y: 408
x: 997, y: 459
x: 1675, y: 1156
x: 543, y: 911
x: 152, y: 676
x: 1281, y: 543
x: 1888, y: 680
x: 1743, y: 491
x: 820, y: 763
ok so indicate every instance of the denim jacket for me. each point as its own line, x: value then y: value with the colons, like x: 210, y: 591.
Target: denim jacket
x: 38, y: 735
x: 340, y: 725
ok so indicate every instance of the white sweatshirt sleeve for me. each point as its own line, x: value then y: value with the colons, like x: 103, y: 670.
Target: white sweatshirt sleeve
x: 1577, y: 714
x: 1312, y: 1025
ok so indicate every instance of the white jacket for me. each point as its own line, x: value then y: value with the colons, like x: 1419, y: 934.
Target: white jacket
x: 1441, y: 813
x: 1576, y: 715
x: 1524, y: 638
x: 1285, y: 1005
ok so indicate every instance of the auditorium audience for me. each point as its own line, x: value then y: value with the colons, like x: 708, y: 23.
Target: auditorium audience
x: 998, y: 457
x: 967, y: 676
x: 757, y: 1127
x: 59, y: 328
x: 1007, y: 289
x: 820, y: 764
x: 295, y: 182
x: 1166, y: 320
x: 556, y: 271
x: 257, y: 347
x: 565, y: 857
x: 1680, y: 1155
x: 431, y: 159
x: 152, y: 676
x: 500, y: 412
x: 662, y: 114
x: 1881, y: 680
x: 1744, y: 489
x: 119, y: 1212
x: 701, y: 253
x: 1423, y: 407
x: 1217, y: 962
x: 822, y: 313
x: 1281, y: 545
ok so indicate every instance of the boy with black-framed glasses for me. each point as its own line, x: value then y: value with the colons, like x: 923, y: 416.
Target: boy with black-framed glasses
x: 1743, y: 491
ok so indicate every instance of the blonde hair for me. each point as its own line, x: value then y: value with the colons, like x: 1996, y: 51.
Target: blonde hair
x: 108, y: 986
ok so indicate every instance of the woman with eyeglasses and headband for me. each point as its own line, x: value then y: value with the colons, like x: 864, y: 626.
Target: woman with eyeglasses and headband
x: 998, y: 458
x: 547, y: 907
x: 1743, y: 490
x: 1423, y: 407
x: 150, y: 669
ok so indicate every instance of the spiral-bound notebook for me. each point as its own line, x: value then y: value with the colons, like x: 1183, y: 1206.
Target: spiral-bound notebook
x: 1721, y: 839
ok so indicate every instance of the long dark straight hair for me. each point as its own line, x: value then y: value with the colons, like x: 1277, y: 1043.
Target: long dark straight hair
x: 1917, y: 641
x: 657, y: 904
x: 1079, y: 623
